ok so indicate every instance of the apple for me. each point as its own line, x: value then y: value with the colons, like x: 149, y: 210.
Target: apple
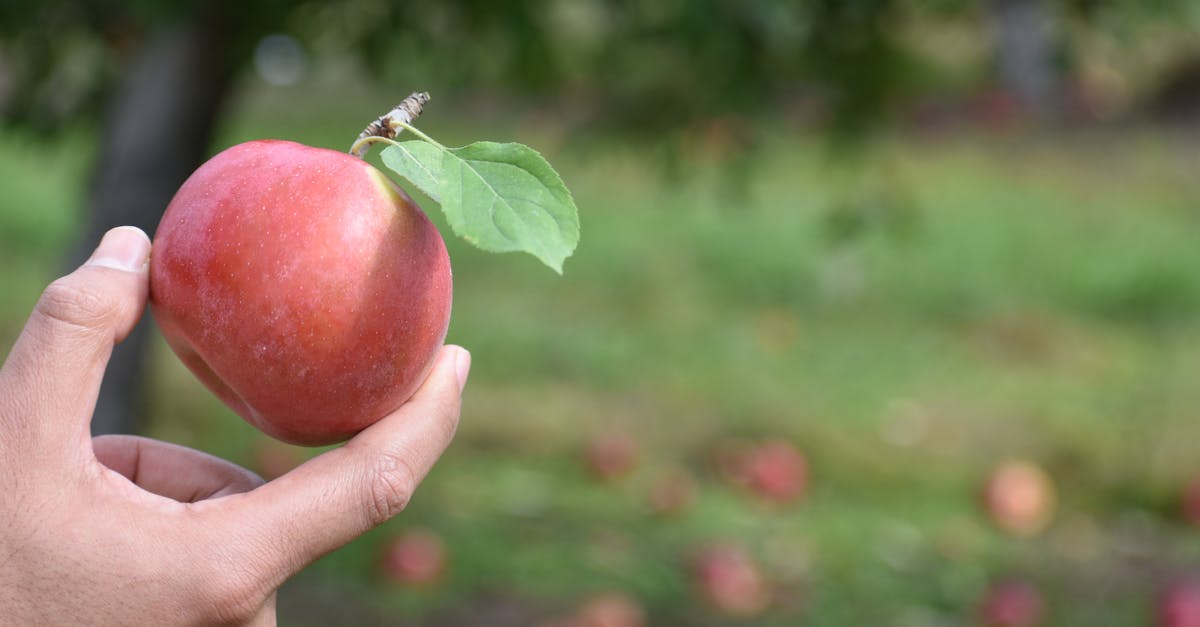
x: 1190, y: 502
x: 612, y: 455
x: 1011, y: 603
x: 773, y: 470
x: 1019, y: 497
x: 776, y: 471
x: 732, y: 582
x: 302, y: 287
x: 611, y: 609
x: 415, y: 558
x: 1179, y: 605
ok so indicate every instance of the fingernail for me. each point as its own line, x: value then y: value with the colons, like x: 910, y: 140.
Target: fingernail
x: 124, y: 248
x: 462, y: 367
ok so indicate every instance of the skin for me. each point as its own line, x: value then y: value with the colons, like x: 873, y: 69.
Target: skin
x: 302, y: 287
x: 122, y: 530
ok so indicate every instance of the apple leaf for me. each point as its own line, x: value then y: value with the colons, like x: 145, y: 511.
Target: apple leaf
x: 501, y: 197
x: 418, y: 161
x: 506, y: 197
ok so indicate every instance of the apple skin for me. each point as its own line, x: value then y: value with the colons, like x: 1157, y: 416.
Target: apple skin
x: 1179, y: 604
x: 612, y: 609
x: 773, y: 470
x: 732, y: 582
x: 1190, y: 502
x: 776, y: 471
x: 302, y: 287
x: 1011, y: 603
x: 611, y: 455
x: 416, y: 558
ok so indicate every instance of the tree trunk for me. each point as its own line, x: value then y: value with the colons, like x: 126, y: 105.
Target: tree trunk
x: 1025, y: 51
x: 156, y: 133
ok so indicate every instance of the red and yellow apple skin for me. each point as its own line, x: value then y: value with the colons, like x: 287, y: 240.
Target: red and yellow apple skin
x: 302, y: 287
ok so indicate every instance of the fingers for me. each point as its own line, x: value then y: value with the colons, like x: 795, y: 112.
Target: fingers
x: 175, y: 472
x: 337, y: 496
x: 53, y: 373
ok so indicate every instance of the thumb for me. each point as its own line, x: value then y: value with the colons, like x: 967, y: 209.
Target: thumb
x: 333, y: 498
x: 53, y: 373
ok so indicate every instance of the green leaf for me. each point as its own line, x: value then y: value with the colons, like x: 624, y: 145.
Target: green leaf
x: 499, y: 197
x: 418, y: 161
x: 506, y: 197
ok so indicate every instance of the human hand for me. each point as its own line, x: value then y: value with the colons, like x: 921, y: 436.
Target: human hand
x: 122, y: 530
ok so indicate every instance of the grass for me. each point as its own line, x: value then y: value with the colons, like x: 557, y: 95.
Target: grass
x: 907, y: 323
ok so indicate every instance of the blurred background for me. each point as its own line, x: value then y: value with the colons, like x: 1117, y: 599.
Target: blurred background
x: 886, y: 312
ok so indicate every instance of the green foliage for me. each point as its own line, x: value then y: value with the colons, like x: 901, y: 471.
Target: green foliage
x: 67, y: 56
x: 633, y: 65
x: 851, y: 51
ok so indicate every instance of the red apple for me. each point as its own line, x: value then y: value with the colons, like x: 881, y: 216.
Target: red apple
x: 1011, y: 603
x: 776, y: 471
x: 611, y: 455
x: 1179, y: 605
x: 773, y: 470
x: 415, y: 558
x: 731, y: 581
x: 1190, y: 503
x: 302, y: 287
x: 1019, y: 497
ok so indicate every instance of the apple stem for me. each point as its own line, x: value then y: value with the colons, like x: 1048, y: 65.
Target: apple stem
x: 412, y: 129
x: 390, y: 123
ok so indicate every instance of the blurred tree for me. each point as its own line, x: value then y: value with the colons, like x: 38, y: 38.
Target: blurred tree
x: 1026, y: 46
x: 156, y: 74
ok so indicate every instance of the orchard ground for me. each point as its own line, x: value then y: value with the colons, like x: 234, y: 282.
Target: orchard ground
x: 960, y: 301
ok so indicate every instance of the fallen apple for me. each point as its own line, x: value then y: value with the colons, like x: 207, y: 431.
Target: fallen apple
x: 302, y: 287
x: 1179, y: 604
x: 611, y: 455
x: 773, y: 470
x: 612, y: 609
x: 415, y: 558
x: 732, y: 582
x: 1190, y: 501
x: 1019, y: 497
x: 776, y: 471
x: 1011, y: 603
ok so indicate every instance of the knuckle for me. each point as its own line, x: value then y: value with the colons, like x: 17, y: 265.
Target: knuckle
x: 391, y: 482
x: 76, y: 306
